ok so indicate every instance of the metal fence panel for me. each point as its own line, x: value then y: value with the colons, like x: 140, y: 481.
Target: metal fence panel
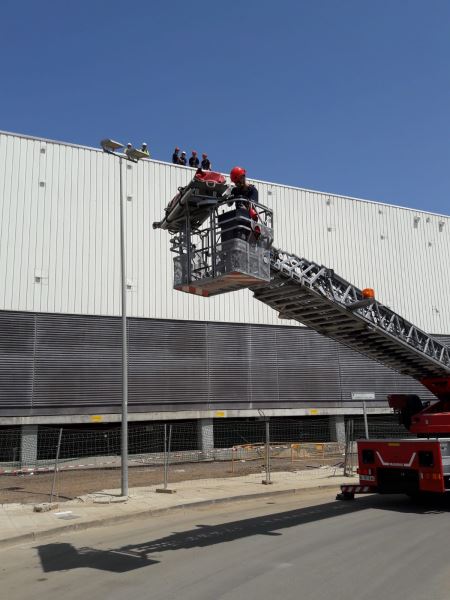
x: 88, y: 459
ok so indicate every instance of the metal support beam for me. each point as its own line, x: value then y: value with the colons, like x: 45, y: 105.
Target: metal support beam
x: 29, y: 446
x: 338, y: 428
x: 205, y: 437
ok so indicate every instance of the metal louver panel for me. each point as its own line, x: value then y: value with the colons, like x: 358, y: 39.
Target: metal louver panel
x: 228, y: 364
x: 16, y: 359
x: 168, y: 364
x: 308, y: 368
x: 70, y: 364
x: 263, y: 368
x: 77, y: 361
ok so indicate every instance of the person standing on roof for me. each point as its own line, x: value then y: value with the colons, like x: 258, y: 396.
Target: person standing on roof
x: 206, y: 164
x: 175, y: 157
x: 241, y: 188
x: 144, y: 149
x: 193, y: 160
x: 128, y: 150
x: 182, y: 159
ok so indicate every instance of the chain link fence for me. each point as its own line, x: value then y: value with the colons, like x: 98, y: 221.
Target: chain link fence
x: 39, y: 463
x: 379, y: 426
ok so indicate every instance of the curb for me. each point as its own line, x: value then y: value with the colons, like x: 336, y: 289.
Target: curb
x: 118, y: 519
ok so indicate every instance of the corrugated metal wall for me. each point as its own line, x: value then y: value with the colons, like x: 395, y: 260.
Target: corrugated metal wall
x: 54, y: 364
x: 59, y: 240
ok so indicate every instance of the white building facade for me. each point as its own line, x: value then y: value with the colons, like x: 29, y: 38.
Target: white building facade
x: 59, y: 256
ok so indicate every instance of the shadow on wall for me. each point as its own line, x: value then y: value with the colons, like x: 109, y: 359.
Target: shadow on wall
x: 63, y: 556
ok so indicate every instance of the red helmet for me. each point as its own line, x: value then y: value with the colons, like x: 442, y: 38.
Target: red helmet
x: 194, y: 152
x: 177, y: 149
x: 237, y: 173
x: 204, y: 155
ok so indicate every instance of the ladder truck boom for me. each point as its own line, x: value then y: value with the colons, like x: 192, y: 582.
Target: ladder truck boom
x: 218, y: 250
x: 315, y: 296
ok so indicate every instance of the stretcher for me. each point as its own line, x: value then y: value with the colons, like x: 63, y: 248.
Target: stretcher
x: 198, y: 197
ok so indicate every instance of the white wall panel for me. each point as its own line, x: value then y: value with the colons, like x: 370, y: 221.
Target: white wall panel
x: 59, y: 240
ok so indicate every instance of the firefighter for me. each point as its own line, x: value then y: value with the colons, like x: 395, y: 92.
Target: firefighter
x: 206, y: 164
x: 144, y: 149
x: 241, y: 188
x: 182, y: 159
x: 193, y: 161
x: 175, y: 157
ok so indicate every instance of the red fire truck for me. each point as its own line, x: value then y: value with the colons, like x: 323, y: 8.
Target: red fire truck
x: 415, y: 465
x: 221, y: 246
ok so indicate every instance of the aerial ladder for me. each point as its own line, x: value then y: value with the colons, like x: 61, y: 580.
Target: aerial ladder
x: 223, y: 244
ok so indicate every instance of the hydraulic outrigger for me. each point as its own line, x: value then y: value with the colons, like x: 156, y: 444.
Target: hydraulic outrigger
x: 220, y: 249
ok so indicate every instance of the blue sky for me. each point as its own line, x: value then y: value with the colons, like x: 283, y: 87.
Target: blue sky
x: 344, y: 96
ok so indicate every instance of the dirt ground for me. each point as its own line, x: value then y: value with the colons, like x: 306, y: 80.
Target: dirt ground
x: 72, y: 483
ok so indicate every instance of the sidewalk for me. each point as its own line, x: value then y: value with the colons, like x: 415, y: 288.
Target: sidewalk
x: 18, y: 522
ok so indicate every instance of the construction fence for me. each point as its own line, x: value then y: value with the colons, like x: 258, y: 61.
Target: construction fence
x: 66, y: 462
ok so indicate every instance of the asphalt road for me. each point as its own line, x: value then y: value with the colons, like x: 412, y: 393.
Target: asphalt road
x: 305, y: 547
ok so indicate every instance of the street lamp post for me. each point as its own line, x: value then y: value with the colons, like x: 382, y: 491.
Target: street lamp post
x: 111, y: 147
x: 124, y: 424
